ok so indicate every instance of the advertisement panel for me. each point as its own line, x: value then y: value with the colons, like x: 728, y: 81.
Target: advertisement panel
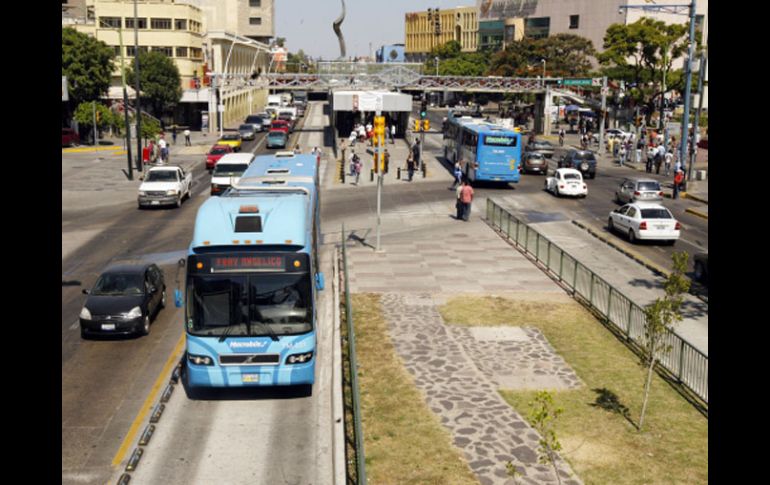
x: 501, y: 9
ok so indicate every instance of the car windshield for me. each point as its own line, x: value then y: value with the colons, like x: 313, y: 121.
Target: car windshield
x: 274, y: 135
x: 246, y: 305
x: 161, y: 176
x: 649, y: 186
x: 230, y: 137
x: 253, y: 119
x: 229, y: 169
x: 113, y: 284
x: 246, y: 128
x: 657, y: 213
x: 571, y: 176
x: 218, y: 151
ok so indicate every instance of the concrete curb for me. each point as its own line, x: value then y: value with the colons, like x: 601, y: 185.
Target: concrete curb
x: 695, y: 198
x: 338, y: 412
x: 636, y: 257
x: 697, y: 213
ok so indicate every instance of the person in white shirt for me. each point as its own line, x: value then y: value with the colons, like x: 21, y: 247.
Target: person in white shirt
x: 163, y: 149
x: 187, y: 138
x: 392, y: 134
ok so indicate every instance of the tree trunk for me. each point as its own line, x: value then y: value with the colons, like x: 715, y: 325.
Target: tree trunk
x: 646, y: 392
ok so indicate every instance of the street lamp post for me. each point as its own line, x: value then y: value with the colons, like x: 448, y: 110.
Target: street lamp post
x: 543, y: 72
x: 138, y: 97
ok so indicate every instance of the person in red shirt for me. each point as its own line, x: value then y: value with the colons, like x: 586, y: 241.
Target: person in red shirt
x: 466, y: 197
x: 678, y: 179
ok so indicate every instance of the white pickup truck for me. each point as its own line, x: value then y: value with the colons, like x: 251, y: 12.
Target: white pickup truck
x: 165, y: 185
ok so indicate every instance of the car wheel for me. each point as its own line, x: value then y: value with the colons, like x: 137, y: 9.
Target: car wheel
x: 179, y: 201
x: 146, y: 325
x: 610, y: 225
x: 83, y: 333
x: 163, y: 299
x: 631, y: 236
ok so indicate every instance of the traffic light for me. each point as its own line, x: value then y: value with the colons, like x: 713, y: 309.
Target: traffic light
x: 98, y: 117
x: 416, y: 125
x: 426, y: 125
x: 423, y: 108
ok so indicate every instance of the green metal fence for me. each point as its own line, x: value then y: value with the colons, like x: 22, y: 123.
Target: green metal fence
x: 356, y: 397
x: 686, y: 363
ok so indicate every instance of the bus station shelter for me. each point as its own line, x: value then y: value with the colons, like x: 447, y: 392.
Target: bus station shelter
x: 351, y: 107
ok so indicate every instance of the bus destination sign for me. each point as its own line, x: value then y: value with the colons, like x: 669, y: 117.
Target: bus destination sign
x: 250, y: 262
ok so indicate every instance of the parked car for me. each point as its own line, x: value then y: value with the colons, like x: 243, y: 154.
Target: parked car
x: 277, y: 139
x: 534, y: 162
x: 123, y: 300
x: 541, y: 146
x: 583, y: 160
x: 566, y: 181
x: 247, y: 131
x: 645, y: 221
x: 611, y: 133
x: 702, y: 267
x: 69, y: 137
x: 232, y: 139
x: 164, y: 185
x: 638, y: 189
x: 216, y: 152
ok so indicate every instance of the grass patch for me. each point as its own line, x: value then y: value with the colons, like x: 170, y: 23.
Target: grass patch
x: 597, y: 428
x: 404, y: 441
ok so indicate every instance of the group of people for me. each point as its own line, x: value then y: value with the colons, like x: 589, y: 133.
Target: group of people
x: 157, y: 151
x: 361, y: 133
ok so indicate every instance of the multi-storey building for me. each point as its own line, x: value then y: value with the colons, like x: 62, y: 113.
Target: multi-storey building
x: 247, y: 18
x: 432, y: 28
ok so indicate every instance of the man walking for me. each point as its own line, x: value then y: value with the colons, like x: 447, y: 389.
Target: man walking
x: 163, y: 149
x: 466, y: 197
x: 393, y: 134
x: 187, y: 137
x: 416, y: 154
x: 458, y: 173
x: 678, y: 179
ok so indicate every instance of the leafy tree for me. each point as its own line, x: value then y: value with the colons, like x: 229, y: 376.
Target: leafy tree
x: 87, y: 63
x: 159, y: 82
x: 84, y: 115
x: 661, y: 315
x: 642, y: 53
x: 566, y: 55
x: 542, y: 417
x: 454, y: 62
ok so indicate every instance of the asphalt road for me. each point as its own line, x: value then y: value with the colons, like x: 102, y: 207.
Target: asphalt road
x: 106, y: 382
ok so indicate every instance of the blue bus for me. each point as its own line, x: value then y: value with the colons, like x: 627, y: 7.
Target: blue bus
x: 253, y: 280
x: 487, y: 152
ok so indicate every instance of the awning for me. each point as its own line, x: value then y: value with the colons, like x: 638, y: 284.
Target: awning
x: 195, y: 95
x: 116, y: 92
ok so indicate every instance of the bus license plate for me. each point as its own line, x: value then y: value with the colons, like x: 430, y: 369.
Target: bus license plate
x: 108, y: 326
x: 250, y: 377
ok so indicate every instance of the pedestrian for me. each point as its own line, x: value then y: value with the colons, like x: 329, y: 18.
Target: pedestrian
x: 386, y: 161
x: 410, y: 165
x: 393, y: 134
x: 358, y: 168
x: 416, y: 153
x: 297, y: 150
x: 561, y: 137
x: 352, y: 138
x: 163, y: 149
x: 668, y: 157
x: 466, y: 197
x: 615, y: 147
x: 678, y: 179
x: 458, y: 202
x: 458, y: 173
x: 353, y: 159
x: 648, y: 159
x: 622, y: 153
x: 639, y: 145
x: 173, y: 134
x: 187, y: 137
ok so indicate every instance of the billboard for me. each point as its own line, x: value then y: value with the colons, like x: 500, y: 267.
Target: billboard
x: 502, y: 9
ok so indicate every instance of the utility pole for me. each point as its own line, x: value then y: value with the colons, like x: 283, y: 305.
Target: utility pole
x: 138, y: 97
x: 604, y: 109
x: 688, y: 82
x: 701, y: 74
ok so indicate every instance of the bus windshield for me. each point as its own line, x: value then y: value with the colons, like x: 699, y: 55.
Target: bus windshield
x: 249, y: 305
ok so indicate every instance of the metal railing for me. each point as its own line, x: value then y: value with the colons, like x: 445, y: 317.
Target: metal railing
x: 356, y: 397
x: 684, y: 362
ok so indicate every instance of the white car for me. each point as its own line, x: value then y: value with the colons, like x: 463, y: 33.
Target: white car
x: 566, y: 181
x: 645, y: 221
x: 611, y: 133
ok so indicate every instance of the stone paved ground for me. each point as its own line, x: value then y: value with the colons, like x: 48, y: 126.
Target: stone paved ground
x: 459, y: 370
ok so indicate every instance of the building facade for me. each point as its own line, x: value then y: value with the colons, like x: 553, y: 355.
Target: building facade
x: 247, y: 18
x: 432, y: 28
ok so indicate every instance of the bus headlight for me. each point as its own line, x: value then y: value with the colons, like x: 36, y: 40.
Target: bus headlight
x: 85, y: 314
x: 200, y: 359
x: 299, y: 358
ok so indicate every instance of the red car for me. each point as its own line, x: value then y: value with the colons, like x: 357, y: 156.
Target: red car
x: 69, y: 137
x: 280, y: 125
x: 216, y: 152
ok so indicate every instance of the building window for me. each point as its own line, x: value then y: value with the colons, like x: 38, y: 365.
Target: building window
x: 131, y: 51
x: 110, y: 22
x: 181, y: 51
x: 142, y: 22
x: 116, y: 48
x: 255, y: 20
x: 160, y: 24
x: 180, y: 24
x: 537, y: 28
x: 196, y: 53
x: 166, y: 51
x: 574, y: 21
x: 255, y: 3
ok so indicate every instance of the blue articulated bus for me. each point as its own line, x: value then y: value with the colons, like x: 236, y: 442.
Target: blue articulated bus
x: 487, y: 152
x: 253, y: 277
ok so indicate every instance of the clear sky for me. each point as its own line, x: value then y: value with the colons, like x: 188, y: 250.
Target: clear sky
x: 307, y: 24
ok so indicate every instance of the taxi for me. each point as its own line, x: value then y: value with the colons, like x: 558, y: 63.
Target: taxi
x: 233, y: 139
